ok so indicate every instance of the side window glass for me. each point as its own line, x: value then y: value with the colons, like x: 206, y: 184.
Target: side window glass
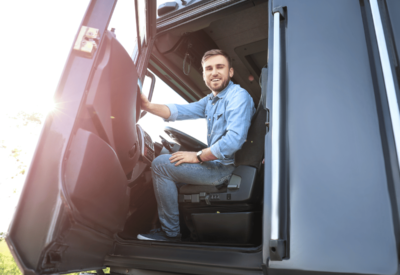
x: 142, y: 11
x: 147, y: 85
x: 124, y: 22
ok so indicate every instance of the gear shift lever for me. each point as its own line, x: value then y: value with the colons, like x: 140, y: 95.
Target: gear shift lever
x: 166, y: 144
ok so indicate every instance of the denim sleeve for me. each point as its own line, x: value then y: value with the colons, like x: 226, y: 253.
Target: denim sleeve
x: 239, y: 112
x: 188, y: 111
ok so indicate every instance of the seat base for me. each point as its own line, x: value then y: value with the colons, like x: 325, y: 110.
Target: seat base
x: 197, y: 189
x: 196, y: 218
x: 230, y: 214
x: 224, y: 227
x: 240, y: 189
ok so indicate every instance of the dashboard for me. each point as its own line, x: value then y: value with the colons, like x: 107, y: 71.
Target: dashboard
x: 146, y: 146
x: 147, y: 155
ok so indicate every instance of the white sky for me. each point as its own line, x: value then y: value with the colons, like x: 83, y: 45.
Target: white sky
x: 36, y: 39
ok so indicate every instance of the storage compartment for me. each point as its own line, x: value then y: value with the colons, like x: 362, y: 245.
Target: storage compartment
x: 224, y: 227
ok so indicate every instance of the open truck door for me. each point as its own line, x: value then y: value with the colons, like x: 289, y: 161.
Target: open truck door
x: 75, y: 199
x: 332, y: 153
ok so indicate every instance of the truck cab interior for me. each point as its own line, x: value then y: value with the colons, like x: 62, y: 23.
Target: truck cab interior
x: 105, y: 193
x: 230, y: 215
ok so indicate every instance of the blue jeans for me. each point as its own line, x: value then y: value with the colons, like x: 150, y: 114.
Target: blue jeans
x: 165, y: 178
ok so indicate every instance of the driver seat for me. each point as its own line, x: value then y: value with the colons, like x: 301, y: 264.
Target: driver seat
x: 227, y: 213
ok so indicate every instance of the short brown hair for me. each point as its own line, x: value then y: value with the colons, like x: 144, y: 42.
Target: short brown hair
x: 214, y: 52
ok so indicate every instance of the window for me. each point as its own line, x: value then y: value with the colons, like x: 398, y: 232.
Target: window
x: 142, y: 21
x: 123, y: 21
x: 159, y: 2
x: 154, y: 125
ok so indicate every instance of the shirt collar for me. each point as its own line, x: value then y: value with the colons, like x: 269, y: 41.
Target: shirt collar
x: 223, y: 92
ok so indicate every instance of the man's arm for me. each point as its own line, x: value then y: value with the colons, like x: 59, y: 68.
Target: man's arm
x: 156, y: 109
x: 207, y: 155
x: 172, y: 112
x: 191, y: 157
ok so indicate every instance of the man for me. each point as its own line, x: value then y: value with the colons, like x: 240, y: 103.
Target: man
x: 228, y: 110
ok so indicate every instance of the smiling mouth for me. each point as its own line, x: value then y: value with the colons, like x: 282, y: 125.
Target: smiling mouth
x: 215, y: 80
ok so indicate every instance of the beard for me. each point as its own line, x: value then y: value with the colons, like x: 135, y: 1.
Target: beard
x: 220, y: 87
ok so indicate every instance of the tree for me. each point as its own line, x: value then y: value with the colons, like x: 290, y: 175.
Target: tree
x: 15, y: 151
x: 25, y: 118
x: 8, y: 265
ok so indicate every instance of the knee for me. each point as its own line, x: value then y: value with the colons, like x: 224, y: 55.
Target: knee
x: 159, y: 162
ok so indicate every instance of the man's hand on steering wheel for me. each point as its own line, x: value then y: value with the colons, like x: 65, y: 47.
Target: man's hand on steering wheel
x: 184, y: 157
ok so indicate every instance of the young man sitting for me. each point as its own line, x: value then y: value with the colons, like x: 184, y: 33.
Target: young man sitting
x: 228, y: 110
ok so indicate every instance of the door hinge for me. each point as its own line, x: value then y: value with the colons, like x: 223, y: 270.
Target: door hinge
x: 87, y: 41
x: 277, y: 250
x: 53, y: 257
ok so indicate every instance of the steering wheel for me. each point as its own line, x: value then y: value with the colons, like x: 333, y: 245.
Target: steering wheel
x: 186, y: 141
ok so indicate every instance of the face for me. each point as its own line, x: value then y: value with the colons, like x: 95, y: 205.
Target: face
x: 216, y: 73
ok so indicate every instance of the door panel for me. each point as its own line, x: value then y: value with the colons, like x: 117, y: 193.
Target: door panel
x: 76, y: 194
x: 112, y: 101
x: 335, y: 170
x: 94, y: 176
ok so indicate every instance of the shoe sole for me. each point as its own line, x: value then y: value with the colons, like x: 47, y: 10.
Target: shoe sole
x: 143, y: 238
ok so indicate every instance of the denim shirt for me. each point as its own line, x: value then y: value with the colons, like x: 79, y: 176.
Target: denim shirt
x: 228, y: 117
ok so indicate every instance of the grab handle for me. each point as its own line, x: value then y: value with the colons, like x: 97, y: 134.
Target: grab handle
x: 277, y: 245
x: 387, y: 75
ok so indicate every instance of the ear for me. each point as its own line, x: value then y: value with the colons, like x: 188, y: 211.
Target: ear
x: 231, y: 72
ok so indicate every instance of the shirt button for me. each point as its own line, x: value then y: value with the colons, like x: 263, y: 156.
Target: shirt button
x: 209, y: 119
x: 213, y: 103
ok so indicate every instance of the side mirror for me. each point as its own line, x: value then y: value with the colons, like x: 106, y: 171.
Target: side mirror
x: 148, y: 87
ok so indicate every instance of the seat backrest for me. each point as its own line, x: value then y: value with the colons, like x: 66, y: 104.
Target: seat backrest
x: 252, y: 151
